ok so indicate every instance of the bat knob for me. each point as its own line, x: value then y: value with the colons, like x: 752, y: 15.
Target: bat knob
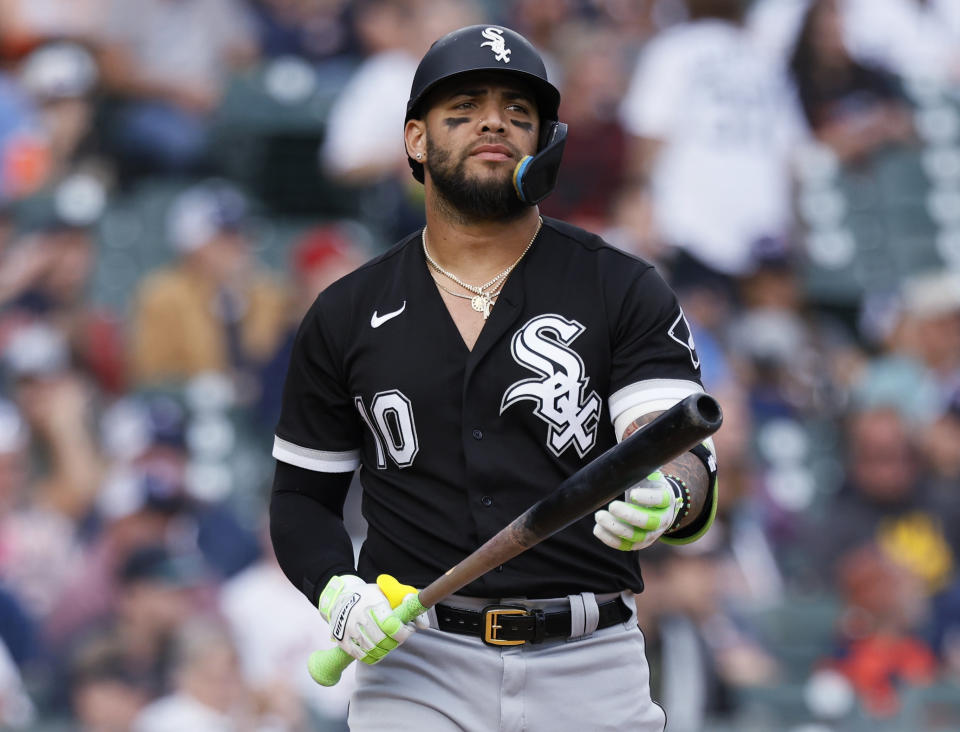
x: 327, y: 666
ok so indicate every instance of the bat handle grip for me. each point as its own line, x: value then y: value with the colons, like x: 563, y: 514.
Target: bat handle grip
x: 328, y: 665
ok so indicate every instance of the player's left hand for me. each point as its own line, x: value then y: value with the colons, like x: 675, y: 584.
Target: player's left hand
x: 651, y: 508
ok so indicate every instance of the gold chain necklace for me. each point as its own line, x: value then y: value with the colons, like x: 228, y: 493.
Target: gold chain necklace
x: 489, y: 297
x: 481, y: 301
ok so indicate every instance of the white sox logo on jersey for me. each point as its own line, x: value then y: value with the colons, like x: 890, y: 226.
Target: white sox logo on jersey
x: 495, y: 40
x: 558, y: 392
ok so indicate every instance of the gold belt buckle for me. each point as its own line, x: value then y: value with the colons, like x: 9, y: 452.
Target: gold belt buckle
x: 491, y: 614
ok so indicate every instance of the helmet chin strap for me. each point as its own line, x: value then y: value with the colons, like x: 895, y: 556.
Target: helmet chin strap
x: 536, y: 175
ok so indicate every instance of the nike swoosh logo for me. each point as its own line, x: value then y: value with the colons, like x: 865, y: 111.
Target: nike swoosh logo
x: 377, y: 320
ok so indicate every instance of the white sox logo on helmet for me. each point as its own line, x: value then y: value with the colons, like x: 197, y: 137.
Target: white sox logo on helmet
x: 558, y: 391
x: 495, y: 40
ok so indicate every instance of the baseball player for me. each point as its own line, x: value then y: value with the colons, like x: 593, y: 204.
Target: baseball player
x: 468, y: 371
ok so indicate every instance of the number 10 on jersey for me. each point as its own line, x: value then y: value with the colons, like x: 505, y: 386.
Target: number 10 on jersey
x: 390, y: 420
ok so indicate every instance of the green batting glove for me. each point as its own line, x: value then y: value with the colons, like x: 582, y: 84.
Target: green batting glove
x: 362, y: 622
x: 651, y: 508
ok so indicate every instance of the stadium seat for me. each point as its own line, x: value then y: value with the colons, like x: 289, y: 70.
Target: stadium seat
x: 934, y: 708
x: 799, y: 631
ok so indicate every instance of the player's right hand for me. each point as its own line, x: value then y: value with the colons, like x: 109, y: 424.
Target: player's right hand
x: 650, y: 509
x: 362, y: 622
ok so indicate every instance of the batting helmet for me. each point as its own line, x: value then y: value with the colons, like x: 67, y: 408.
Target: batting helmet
x: 483, y: 48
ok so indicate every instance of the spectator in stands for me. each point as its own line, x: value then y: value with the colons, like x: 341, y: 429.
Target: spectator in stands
x: 53, y: 470
x: 62, y: 79
x: 19, y: 630
x: 321, y: 256
x: 93, y: 591
x: 20, y: 644
x: 631, y: 226
x: 794, y: 359
x: 209, y: 692
x: 48, y: 277
x: 314, y: 30
x: 28, y: 24
x: 56, y: 403
x: 929, y: 325
x: 214, y: 310
x: 359, y: 146
x: 167, y: 62
x: 853, y: 108
x: 699, y: 652
x: 880, y: 646
x: 545, y: 24
x: 24, y: 149
x: 594, y: 78
x: 145, y: 500
x: 21, y: 265
x: 14, y: 439
x: 268, y: 651
x: 105, y: 694
x: 157, y: 593
x: 917, y: 40
x: 774, y: 26
x: 715, y: 127
x: 888, y: 500
x: 922, y: 369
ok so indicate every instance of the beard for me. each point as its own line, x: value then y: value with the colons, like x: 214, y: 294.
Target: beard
x: 471, y: 198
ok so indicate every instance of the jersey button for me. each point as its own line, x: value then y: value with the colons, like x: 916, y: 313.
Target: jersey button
x: 486, y: 501
x: 478, y: 434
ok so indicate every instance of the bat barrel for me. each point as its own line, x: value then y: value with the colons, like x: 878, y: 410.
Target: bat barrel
x: 706, y: 412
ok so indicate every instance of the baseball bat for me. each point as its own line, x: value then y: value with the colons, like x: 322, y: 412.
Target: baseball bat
x: 664, y: 438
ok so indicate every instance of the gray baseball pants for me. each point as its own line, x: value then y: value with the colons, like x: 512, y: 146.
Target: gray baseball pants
x: 444, y: 682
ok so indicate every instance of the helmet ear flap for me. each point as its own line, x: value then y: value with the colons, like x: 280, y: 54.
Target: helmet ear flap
x: 535, y: 177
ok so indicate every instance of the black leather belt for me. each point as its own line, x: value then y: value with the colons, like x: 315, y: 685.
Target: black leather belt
x: 512, y: 625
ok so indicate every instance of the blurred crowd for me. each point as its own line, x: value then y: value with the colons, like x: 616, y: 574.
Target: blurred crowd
x: 180, y: 178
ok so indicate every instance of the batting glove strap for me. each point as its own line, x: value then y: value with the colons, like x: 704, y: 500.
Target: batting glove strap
x: 698, y: 527
x: 361, y: 620
x: 682, y: 493
x: 651, y: 508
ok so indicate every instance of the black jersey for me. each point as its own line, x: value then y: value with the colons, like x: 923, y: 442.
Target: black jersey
x: 454, y: 443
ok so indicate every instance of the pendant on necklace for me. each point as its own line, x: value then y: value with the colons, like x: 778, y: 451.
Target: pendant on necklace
x: 481, y: 303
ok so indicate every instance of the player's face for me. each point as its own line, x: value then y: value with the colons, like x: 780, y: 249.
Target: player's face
x: 477, y: 130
